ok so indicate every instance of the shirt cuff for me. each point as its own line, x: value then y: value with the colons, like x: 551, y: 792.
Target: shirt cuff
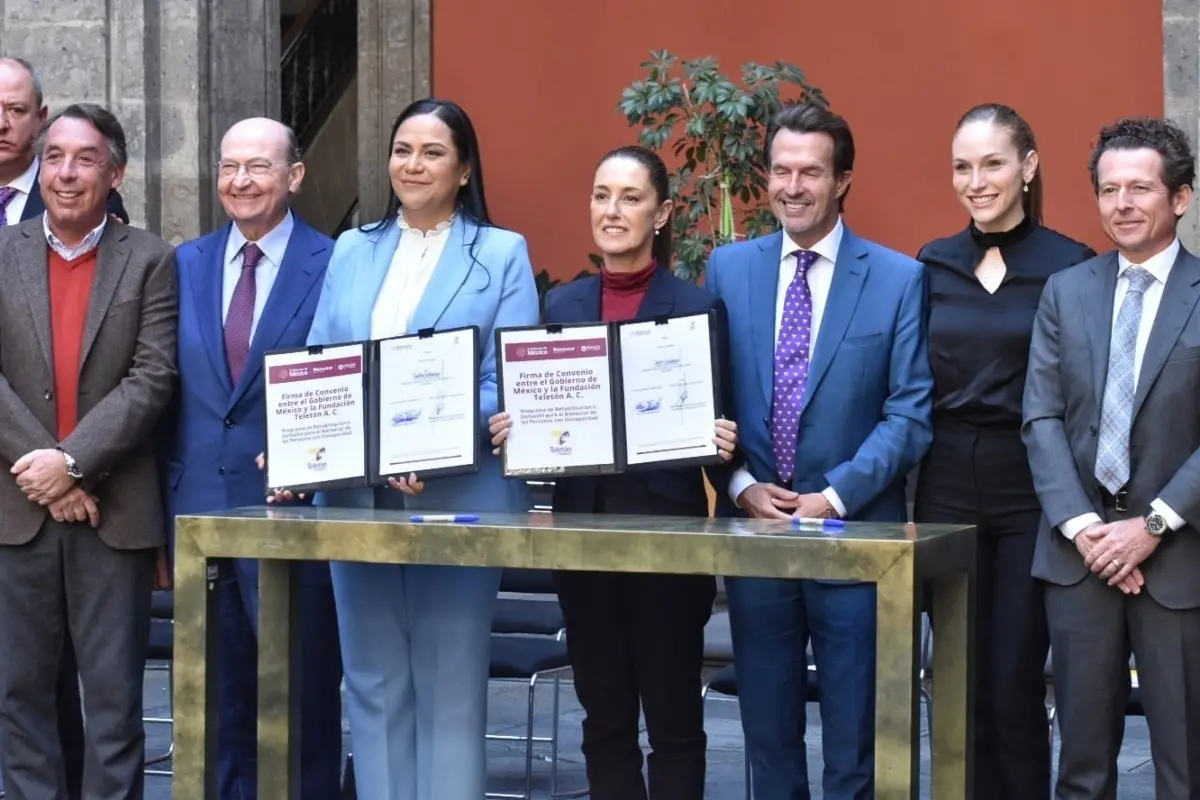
x: 740, y: 482
x: 832, y: 496
x: 1174, y: 521
x: 1074, y: 525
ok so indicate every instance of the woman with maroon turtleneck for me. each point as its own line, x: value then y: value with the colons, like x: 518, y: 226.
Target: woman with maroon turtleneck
x: 636, y: 641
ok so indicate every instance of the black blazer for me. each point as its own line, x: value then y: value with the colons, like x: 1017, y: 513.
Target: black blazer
x: 679, y: 491
x: 35, y: 206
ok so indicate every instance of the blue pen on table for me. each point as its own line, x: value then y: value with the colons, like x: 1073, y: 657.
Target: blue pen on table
x: 823, y: 522
x: 444, y: 518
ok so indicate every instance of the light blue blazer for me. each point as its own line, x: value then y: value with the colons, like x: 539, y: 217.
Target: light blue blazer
x: 483, y: 278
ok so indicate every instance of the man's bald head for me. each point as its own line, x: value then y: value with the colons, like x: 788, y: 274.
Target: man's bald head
x: 21, y: 116
x: 262, y: 132
x: 25, y: 72
x: 258, y: 173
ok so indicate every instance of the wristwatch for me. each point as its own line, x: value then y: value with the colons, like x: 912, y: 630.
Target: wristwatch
x: 1156, y: 524
x: 72, y: 468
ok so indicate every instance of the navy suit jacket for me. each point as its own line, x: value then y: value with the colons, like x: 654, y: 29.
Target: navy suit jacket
x: 869, y: 397
x: 35, y: 205
x: 218, y: 428
x: 677, y: 491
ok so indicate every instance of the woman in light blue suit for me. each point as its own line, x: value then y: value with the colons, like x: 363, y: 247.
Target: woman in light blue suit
x: 415, y: 639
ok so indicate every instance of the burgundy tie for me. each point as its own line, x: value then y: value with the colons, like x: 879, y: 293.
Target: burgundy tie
x: 240, y: 318
x: 7, y: 194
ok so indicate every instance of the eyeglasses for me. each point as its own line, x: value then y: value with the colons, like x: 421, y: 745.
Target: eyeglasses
x: 255, y: 169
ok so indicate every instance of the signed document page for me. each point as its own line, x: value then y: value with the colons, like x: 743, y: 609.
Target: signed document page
x: 316, y: 417
x: 557, y: 388
x: 428, y: 401
x: 668, y: 390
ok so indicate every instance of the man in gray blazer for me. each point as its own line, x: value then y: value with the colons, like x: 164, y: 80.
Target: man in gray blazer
x: 87, y: 365
x: 1112, y: 424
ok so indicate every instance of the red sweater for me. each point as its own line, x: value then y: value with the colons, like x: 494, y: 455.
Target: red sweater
x: 621, y: 293
x: 70, y: 291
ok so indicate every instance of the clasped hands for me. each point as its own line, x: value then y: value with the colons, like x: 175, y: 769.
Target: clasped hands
x: 724, y: 434
x: 409, y: 485
x: 768, y: 501
x: 1114, y: 552
x: 42, y: 477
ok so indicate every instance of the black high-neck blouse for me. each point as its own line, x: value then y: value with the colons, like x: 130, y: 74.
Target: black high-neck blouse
x: 979, y: 342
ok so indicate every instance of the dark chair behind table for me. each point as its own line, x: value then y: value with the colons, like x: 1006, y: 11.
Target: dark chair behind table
x: 160, y: 658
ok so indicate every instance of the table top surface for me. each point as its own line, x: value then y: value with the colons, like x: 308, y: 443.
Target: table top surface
x: 297, y: 518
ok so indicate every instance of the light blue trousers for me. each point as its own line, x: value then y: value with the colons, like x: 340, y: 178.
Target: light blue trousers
x: 416, y: 644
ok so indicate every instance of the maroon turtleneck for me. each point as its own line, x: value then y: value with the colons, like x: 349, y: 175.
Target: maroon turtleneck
x: 621, y: 293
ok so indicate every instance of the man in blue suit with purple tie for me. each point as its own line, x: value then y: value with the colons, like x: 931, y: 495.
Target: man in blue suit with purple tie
x: 833, y: 398
x: 247, y: 288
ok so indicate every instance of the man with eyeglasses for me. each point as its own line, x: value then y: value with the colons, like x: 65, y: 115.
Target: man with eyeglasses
x: 249, y: 287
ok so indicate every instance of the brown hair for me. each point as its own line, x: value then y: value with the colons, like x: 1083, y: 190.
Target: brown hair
x: 1022, y: 138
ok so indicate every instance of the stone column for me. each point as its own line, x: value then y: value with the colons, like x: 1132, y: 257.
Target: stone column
x: 175, y: 72
x: 395, y: 67
x: 1181, y: 88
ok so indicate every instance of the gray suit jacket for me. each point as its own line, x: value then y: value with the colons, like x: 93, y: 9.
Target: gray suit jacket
x: 126, y: 378
x: 1068, y: 363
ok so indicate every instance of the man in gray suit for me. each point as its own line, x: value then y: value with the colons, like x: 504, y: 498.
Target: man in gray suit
x: 87, y: 365
x: 1112, y: 424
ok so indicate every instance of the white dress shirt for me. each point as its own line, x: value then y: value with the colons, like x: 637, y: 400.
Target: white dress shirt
x: 820, y: 277
x: 408, y: 275
x: 1160, y: 267
x: 24, y: 185
x: 273, y: 246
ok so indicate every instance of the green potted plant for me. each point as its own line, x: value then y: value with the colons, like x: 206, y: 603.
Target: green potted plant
x: 714, y: 129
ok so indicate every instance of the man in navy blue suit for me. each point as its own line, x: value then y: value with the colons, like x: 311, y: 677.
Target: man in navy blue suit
x: 832, y: 395
x: 247, y: 288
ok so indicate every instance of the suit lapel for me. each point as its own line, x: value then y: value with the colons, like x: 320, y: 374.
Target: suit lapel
x: 207, y: 279
x: 1097, y: 311
x: 849, y: 273
x: 660, y: 299
x: 763, y: 292
x: 33, y: 269
x: 33, y: 204
x: 111, y: 258
x: 586, y: 308
x: 368, y: 281
x: 299, y: 270
x: 448, y: 276
x: 1179, y: 299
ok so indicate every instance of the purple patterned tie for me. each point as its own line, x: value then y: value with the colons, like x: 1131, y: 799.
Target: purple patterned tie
x: 240, y: 318
x: 7, y: 194
x: 791, y: 366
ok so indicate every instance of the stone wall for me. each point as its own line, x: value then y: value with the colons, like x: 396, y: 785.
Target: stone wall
x: 176, y: 73
x: 1181, y: 86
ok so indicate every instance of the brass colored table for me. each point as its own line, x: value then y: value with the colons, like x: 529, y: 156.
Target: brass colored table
x: 901, y: 559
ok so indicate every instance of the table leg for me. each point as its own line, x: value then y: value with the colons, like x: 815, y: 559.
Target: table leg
x: 952, y: 736
x: 195, y: 683
x: 278, y: 681
x: 897, y: 701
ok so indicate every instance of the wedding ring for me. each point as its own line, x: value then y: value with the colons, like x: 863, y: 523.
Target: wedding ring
x: 1116, y: 563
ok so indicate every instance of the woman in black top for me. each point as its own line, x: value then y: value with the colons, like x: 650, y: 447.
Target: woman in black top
x: 636, y: 641
x: 984, y: 286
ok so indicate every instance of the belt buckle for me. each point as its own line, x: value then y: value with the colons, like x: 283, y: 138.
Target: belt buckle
x: 1119, y: 499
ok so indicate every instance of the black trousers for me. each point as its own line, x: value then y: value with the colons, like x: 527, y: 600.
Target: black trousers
x: 982, y: 478
x: 638, y: 640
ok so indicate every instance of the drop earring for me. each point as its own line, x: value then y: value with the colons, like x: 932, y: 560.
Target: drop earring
x: 1027, y: 188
